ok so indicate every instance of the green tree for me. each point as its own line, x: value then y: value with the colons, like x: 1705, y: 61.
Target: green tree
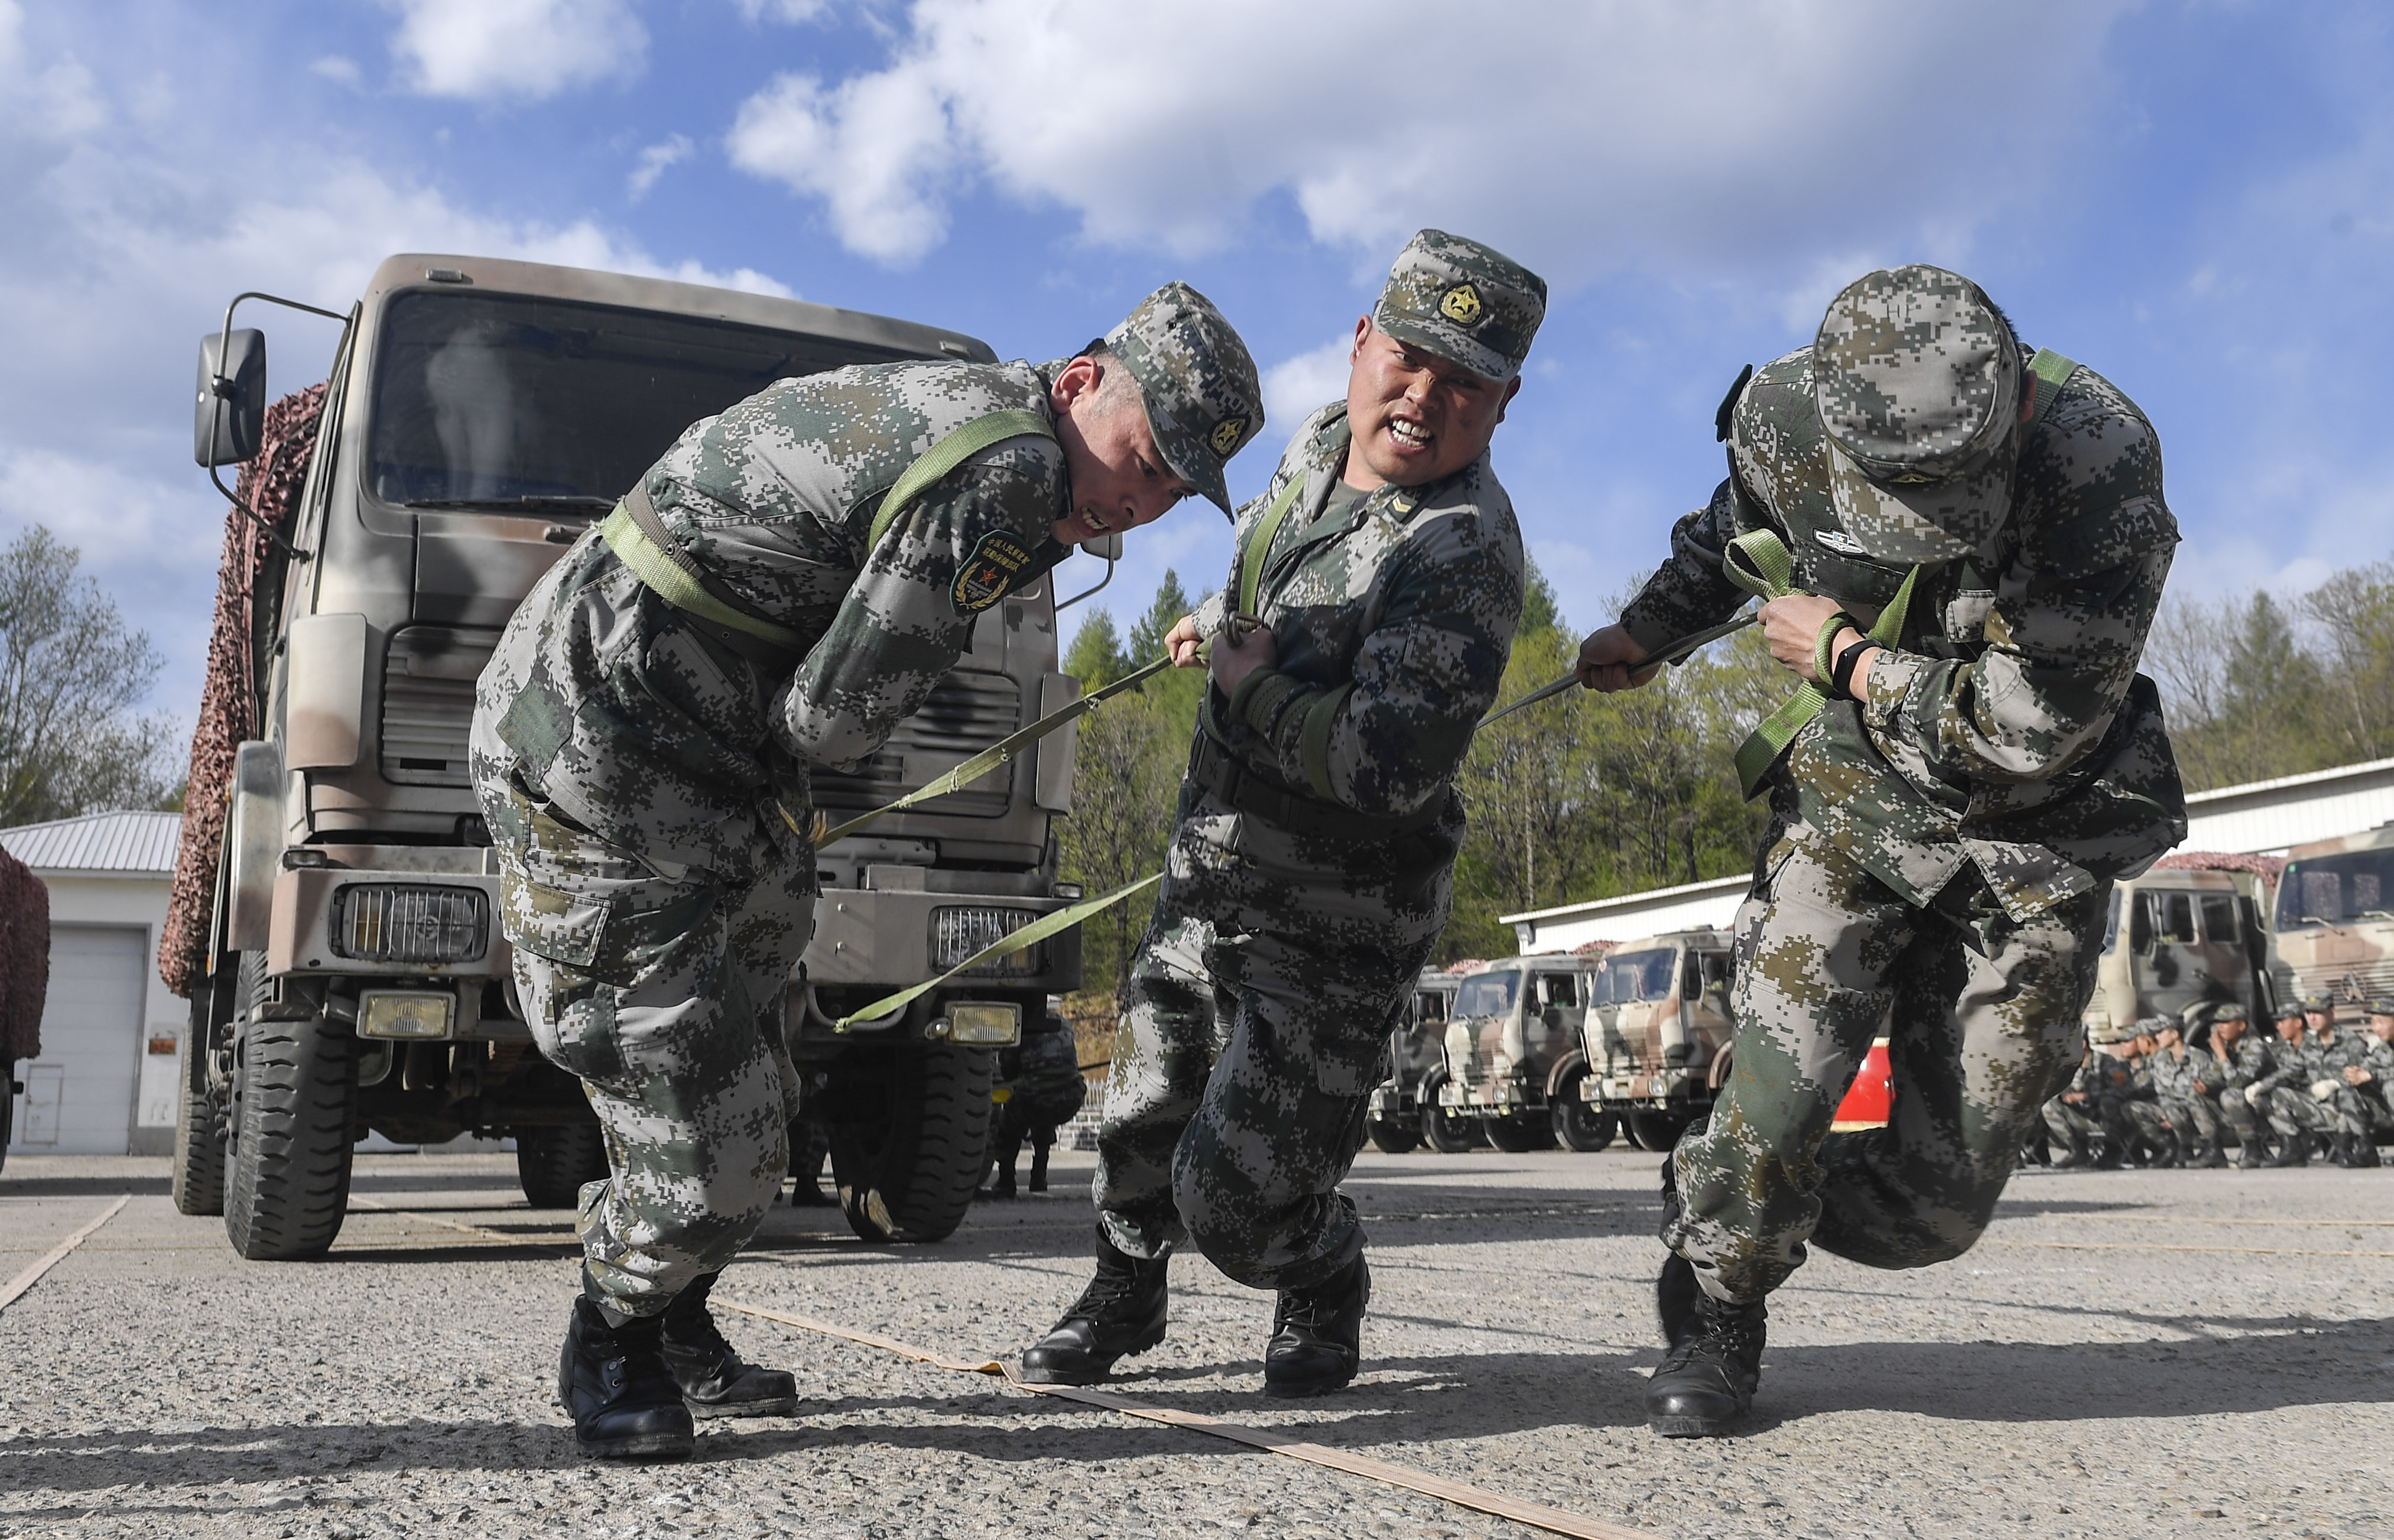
x: 71, y: 674
x: 1095, y: 657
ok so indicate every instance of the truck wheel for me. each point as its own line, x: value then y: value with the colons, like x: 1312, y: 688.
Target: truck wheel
x: 287, y: 1171
x: 1445, y: 1129
x: 1656, y: 1131
x: 909, y: 1173
x: 1517, y: 1133
x: 1394, y: 1135
x: 198, y: 1182
x: 1581, y: 1125
x: 552, y: 1163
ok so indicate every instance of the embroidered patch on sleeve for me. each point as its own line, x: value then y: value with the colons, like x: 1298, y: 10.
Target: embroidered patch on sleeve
x: 989, y: 571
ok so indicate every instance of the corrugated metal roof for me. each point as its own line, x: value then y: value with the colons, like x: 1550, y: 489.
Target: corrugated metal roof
x: 124, y: 844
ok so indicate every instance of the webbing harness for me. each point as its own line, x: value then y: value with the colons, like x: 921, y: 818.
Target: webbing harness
x: 1759, y: 562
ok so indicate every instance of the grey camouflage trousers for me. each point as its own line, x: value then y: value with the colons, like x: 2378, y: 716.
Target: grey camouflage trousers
x: 2193, y: 1122
x: 664, y: 994
x: 1253, y: 1032
x: 1982, y: 1016
x: 2293, y: 1109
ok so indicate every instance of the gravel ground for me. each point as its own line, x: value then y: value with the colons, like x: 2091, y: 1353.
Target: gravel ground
x: 2166, y: 1353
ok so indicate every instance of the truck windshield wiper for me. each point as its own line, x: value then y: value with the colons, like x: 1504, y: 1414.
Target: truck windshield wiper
x: 566, y: 502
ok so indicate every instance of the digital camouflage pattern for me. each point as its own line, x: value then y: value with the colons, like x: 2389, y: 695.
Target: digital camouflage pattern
x: 2376, y: 1092
x: 2235, y: 1069
x: 2307, y: 1090
x: 1462, y: 301
x: 646, y: 788
x: 2177, y: 1112
x: 1985, y: 1024
x: 1945, y: 848
x: 1286, y: 952
x: 2102, y: 1080
x: 1204, y: 402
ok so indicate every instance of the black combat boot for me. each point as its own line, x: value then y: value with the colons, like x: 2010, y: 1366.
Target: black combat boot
x: 2364, y: 1152
x: 2251, y: 1152
x: 613, y: 1382
x: 1119, y: 1314
x: 2074, y: 1155
x: 1039, y: 1167
x: 716, y: 1381
x: 1317, y: 1334
x: 1703, y: 1388
x: 2294, y: 1149
x: 2213, y: 1158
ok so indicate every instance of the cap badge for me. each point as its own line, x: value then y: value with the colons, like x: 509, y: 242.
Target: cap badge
x: 1226, y: 435
x: 1461, y: 305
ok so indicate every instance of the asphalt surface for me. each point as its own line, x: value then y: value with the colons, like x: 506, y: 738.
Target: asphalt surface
x: 2171, y: 1354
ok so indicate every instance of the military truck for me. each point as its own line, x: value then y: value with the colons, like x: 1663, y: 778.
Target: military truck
x: 2332, y: 930
x: 480, y: 415
x: 2176, y: 937
x: 1404, y: 1110
x: 1655, y: 1039
x: 1513, y: 1056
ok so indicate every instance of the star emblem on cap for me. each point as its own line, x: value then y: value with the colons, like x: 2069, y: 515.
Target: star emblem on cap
x: 1223, y: 440
x: 1461, y: 305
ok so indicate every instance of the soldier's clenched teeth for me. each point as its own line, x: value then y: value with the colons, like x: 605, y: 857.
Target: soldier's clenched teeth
x: 1411, y: 435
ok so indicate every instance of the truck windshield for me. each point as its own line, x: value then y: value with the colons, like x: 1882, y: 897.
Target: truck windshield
x: 1488, y: 995
x: 2353, y: 884
x: 500, y: 401
x: 1627, y: 976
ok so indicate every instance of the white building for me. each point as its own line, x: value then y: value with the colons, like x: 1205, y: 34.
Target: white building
x: 105, y: 1082
x: 2263, y: 818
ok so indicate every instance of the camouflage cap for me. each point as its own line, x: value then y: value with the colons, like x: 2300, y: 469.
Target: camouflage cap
x: 1197, y: 381
x: 2148, y: 1025
x: 2321, y: 1005
x: 1462, y: 301
x: 2231, y: 1011
x: 2381, y: 1006
x: 1917, y: 379
x: 2291, y: 1011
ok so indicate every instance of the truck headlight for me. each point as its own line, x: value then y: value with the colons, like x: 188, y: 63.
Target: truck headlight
x: 957, y: 932
x: 404, y: 1012
x: 981, y: 1022
x: 380, y: 922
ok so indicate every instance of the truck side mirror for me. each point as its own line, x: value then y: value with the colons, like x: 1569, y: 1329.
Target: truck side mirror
x: 229, y: 416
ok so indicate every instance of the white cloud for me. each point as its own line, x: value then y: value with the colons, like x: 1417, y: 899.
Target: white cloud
x: 652, y: 162
x: 783, y: 10
x: 487, y: 50
x: 1582, y: 137
x: 1292, y: 388
x: 338, y: 68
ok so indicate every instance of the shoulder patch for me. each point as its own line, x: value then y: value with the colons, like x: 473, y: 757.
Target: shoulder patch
x: 989, y: 571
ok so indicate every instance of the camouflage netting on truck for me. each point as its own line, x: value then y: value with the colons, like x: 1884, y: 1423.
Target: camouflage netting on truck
x: 270, y: 484
x: 24, y: 960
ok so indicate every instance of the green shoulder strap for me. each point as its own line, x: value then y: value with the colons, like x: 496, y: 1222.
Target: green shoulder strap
x: 2052, y: 371
x: 1258, y: 550
x: 950, y: 453
x: 676, y: 585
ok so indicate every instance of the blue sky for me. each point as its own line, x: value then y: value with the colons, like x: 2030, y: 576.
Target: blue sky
x: 2196, y: 199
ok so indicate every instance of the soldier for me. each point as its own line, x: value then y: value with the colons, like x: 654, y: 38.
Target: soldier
x: 1045, y: 1089
x: 2331, y: 1053
x: 2372, y: 1074
x: 2284, y: 1094
x: 1971, y: 759
x: 2179, y: 1116
x: 1371, y: 606
x: 642, y: 738
x: 2236, y: 1058
x: 2093, y: 1104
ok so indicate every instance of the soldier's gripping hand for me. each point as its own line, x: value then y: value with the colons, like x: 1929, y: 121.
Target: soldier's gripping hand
x: 1184, y: 646
x: 1232, y: 661
x: 1609, y: 660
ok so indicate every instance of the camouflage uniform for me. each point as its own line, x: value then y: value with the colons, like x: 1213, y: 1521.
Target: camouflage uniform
x: 2105, y: 1082
x: 2175, y: 1112
x: 1284, y: 940
x: 2290, y: 1091
x: 1944, y: 851
x: 2236, y: 1069
x: 2376, y: 1055
x: 646, y: 783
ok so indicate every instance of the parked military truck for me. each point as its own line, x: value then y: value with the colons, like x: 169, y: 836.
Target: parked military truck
x: 1404, y: 1107
x: 2332, y: 930
x: 2178, y: 937
x: 1656, y: 1036
x: 480, y: 415
x: 1513, y: 1057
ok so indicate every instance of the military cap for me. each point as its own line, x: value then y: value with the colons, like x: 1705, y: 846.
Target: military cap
x: 1917, y: 379
x: 1462, y: 301
x: 2231, y: 1011
x: 2323, y: 1005
x: 2148, y: 1025
x: 2291, y: 1011
x: 1196, y: 380
x: 2381, y: 1006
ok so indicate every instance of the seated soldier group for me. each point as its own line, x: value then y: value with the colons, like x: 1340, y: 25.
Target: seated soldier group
x: 2169, y: 1091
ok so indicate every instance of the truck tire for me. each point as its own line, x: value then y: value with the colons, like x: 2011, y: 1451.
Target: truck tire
x: 1581, y: 1125
x: 1656, y: 1131
x: 908, y: 1172
x: 198, y: 1182
x: 1395, y: 1135
x: 552, y: 1163
x: 1518, y: 1133
x: 288, y: 1168
x: 1449, y: 1133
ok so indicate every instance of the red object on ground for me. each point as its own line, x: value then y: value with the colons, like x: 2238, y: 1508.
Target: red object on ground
x: 1872, y: 1093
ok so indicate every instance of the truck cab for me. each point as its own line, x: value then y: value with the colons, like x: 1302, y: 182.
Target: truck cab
x: 2332, y: 928
x: 2175, y: 938
x: 480, y: 417
x: 1416, y: 1052
x: 1513, y: 1043
x: 1656, y: 1036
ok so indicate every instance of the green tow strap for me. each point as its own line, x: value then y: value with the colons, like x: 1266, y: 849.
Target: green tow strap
x: 634, y: 549
x: 1258, y: 550
x: 950, y: 453
x: 1758, y: 563
x: 1037, y: 931
x: 998, y: 753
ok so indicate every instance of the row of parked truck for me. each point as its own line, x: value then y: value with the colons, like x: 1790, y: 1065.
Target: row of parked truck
x: 1634, y: 1042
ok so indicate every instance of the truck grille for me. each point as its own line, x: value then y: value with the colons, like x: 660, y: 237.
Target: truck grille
x: 427, y: 702
x: 966, y: 712
x: 957, y: 932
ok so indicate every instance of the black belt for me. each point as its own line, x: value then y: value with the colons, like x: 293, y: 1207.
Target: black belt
x: 1243, y: 787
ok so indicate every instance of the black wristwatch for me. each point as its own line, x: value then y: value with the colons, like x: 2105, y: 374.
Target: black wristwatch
x: 1841, y: 678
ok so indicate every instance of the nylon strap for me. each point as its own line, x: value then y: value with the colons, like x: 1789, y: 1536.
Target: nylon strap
x: 950, y: 453
x: 1759, y: 563
x: 997, y: 754
x: 1253, y: 555
x: 2052, y: 371
x: 674, y: 585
